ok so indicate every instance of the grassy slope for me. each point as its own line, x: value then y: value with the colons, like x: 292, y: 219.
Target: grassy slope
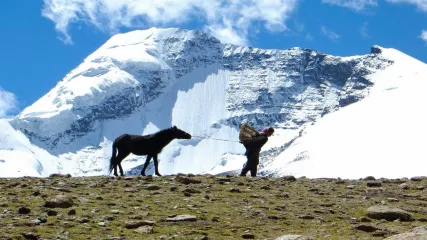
x: 265, y: 207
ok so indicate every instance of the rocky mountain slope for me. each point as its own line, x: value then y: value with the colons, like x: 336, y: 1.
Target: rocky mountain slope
x: 144, y: 81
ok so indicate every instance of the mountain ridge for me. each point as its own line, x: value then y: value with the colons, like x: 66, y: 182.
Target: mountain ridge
x: 143, y: 81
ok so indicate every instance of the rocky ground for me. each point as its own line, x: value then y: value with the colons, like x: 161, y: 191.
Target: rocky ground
x: 212, y: 207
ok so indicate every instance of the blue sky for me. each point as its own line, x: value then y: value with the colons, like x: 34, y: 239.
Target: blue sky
x: 43, y: 40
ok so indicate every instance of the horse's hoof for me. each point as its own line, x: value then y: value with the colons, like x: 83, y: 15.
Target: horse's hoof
x: 158, y: 174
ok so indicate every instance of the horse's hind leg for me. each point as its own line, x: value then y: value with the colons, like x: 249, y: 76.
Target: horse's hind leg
x: 146, y: 165
x: 119, y: 160
x: 156, y: 166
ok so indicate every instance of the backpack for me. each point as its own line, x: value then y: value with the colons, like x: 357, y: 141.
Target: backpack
x: 246, y: 132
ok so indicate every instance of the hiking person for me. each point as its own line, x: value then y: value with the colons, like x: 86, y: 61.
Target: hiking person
x: 253, y: 148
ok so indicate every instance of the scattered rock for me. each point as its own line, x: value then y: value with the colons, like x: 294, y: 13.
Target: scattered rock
x: 390, y: 214
x: 306, y: 217
x: 152, y: 187
x: 418, y: 178
x: 144, y: 230
x: 52, y: 213
x: 373, y: 184
x: 115, y: 211
x: 59, y: 201
x: 416, y: 233
x: 191, y: 190
x: 71, y: 212
x: 369, y: 178
x: 24, y: 210
x: 30, y: 235
x: 235, y: 190
x: 58, y: 175
x: 182, y: 218
x: 187, y: 180
x: 289, y: 178
x: 365, y: 228
x: 404, y: 186
x: 293, y: 237
x: 133, y: 224
x: 248, y: 236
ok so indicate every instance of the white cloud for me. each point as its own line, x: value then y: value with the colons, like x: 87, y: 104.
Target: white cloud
x: 364, y: 30
x: 230, y: 19
x: 309, y: 37
x: 421, y: 4
x: 356, y: 5
x: 330, y: 34
x: 424, y: 36
x: 8, y: 103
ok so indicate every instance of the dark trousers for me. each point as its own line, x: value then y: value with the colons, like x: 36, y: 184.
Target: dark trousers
x: 252, y: 162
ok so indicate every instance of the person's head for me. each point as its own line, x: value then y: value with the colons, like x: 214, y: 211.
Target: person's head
x: 270, y: 131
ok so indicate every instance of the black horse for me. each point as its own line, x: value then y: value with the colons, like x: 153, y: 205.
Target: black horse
x: 150, y: 145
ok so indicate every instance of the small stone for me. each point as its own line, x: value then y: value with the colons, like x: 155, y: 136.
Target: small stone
x: 418, y: 178
x: 248, y: 236
x: 24, y: 210
x: 235, y: 190
x: 369, y: 178
x: 59, y: 201
x: 365, y: 228
x: 182, y: 218
x: 71, y: 212
x: 52, y: 213
x: 115, y: 211
x: 132, y: 225
x: 144, y: 230
x: 373, y: 184
x: 57, y: 175
x: 30, y: 236
x: 152, y: 187
x: 289, y: 178
x: 392, y: 199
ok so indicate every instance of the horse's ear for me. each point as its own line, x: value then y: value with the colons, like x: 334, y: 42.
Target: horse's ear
x: 174, y: 127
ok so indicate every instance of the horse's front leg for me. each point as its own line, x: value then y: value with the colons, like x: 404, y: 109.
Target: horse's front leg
x: 146, y: 165
x: 115, y: 170
x: 156, y: 166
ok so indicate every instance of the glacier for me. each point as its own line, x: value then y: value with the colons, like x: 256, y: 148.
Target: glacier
x: 147, y: 80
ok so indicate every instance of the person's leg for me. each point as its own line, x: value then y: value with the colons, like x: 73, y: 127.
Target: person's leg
x: 254, y: 163
x: 245, y: 169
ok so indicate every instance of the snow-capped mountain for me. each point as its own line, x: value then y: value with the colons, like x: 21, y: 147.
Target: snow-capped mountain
x: 144, y: 81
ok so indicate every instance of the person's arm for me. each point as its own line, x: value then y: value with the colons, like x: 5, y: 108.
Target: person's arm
x: 260, y: 139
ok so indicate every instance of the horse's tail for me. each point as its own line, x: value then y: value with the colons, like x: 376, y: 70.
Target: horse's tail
x: 113, y: 157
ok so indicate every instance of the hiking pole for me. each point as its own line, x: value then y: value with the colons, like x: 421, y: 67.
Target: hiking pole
x: 218, y: 139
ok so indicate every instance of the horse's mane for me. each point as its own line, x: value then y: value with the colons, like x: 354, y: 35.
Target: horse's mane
x: 161, y: 132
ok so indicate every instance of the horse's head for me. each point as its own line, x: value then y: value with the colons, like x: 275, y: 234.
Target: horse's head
x: 178, y: 133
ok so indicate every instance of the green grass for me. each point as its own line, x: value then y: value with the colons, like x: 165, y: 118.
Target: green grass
x: 221, y: 214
